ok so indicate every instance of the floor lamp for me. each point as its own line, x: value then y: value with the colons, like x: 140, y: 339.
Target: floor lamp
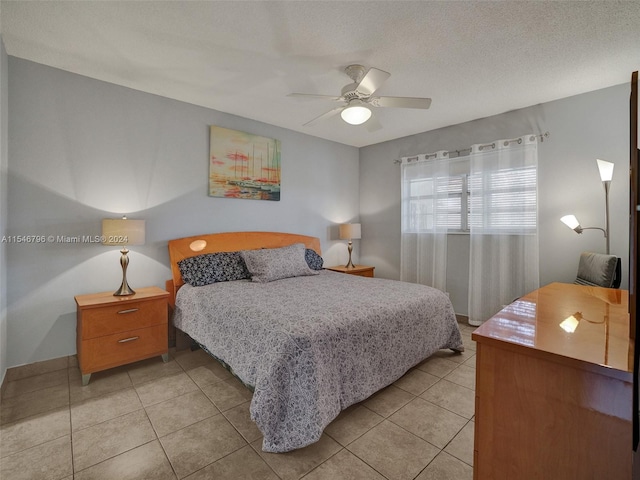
x: 606, y: 174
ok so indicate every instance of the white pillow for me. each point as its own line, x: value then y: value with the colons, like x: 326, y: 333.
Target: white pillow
x: 269, y: 264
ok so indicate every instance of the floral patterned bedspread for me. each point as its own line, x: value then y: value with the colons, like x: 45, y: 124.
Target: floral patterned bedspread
x: 312, y: 346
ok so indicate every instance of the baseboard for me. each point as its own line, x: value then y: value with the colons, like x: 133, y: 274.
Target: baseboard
x: 37, y: 368
x: 2, y: 383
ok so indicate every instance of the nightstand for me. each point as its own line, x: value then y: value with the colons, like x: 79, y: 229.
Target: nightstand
x: 360, y: 270
x: 113, y: 331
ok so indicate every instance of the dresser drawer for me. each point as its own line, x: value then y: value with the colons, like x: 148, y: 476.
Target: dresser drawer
x: 124, y: 347
x: 111, y: 319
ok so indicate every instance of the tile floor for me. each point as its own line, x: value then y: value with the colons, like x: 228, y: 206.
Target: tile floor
x: 189, y: 419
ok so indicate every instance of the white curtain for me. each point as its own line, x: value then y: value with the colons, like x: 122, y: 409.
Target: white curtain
x: 424, y: 220
x: 503, y: 225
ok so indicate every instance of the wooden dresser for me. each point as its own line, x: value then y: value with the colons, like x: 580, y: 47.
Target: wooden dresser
x: 554, y: 387
x: 360, y: 270
x: 113, y: 331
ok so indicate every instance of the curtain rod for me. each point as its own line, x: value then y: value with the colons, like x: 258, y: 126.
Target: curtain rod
x: 460, y: 151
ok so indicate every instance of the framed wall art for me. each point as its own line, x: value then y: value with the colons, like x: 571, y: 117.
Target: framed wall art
x: 243, y: 165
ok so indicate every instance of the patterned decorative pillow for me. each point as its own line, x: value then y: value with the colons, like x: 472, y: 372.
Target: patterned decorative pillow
x: 314, y: 260
x: 213, y: 267
x: 269, y: 264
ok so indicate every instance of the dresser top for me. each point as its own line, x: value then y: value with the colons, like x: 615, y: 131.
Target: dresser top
x: 588, y: 324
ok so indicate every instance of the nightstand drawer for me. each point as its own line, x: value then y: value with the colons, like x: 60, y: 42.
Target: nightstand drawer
x: 124, y: 347
x: 111, y: 319
x: 364, y: 273
x: 359, y: 270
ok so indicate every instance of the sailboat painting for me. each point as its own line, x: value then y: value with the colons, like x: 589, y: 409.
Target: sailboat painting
x: 243, y: 165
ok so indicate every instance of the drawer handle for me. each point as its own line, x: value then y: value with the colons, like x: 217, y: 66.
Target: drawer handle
x: 131, y: 310
x: 130, y: 339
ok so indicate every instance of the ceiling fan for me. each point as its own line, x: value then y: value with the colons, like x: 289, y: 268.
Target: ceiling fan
x: 357, y: 98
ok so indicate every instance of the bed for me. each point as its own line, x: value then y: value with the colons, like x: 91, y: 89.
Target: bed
x: 310, y: 344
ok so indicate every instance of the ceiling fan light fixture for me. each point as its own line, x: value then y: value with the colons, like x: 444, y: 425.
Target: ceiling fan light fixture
x: 356, y: 113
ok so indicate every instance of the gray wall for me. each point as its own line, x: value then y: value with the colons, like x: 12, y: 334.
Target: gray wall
x: 81, y: 150
x: 3, y: 209
x: 582, y: 128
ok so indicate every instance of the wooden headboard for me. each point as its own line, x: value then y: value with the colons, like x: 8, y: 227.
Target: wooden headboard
x: 182, y: 248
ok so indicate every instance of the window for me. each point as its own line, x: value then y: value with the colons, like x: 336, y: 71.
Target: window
x: 503, y: 201
x: 437, y: 200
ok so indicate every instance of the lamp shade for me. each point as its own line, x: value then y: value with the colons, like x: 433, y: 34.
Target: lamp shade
x: 606, y: 170
x: 356, y: 113
x: 570, y: 221
x: 122, y: 231
x: 349, y: 231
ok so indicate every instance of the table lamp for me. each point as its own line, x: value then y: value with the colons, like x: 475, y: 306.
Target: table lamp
x: 350, y: 231
x: 123, y: 232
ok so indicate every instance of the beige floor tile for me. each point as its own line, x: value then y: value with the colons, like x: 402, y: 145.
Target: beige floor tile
x: 152, y: 369
x: 388, y: 400
x: 446, y: 467
x: 240, y: 418
x: 147, y: 461
x: 466, y: 328
x: 429, y: 422
x: 164, y: 388
x: 243, y: 464
x: 344, y: 465
x: 464, y: 375
x: 179, y: 412
x: 352, y: 424
x: 393, y: 451
x: 416, y: 381
x: 73, y: 361
x: 453, y: 397
x: 191, y: 359
x: 95, y: 444
x: 471, y: 362
x: 456, y: 357
x: 227, y: 394
x: 37, y: 368
x: 100, y: 409
x: 35, y: 430
x: 33, y: 403
x: 47, y: 461
x: 469, y: 344
x: 461, y: 446
x: 101, y: 383
x: 114, y: 437
x: 212, y: 372
x: 34, y: 383
x: 438, y: 366
x: 295, y: 464
x: 200, y: 444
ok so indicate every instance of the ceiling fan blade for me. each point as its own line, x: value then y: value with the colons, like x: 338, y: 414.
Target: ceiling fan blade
x: 372, y: 81
x: 373, y: 124
x: 324, y: 116
x: 312, y: 96
x: 400, y: 102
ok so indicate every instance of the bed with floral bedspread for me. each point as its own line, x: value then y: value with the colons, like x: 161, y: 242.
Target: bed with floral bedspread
x: 311, y: 346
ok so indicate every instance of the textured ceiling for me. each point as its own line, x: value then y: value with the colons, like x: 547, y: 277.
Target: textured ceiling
x: 474, y: 59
